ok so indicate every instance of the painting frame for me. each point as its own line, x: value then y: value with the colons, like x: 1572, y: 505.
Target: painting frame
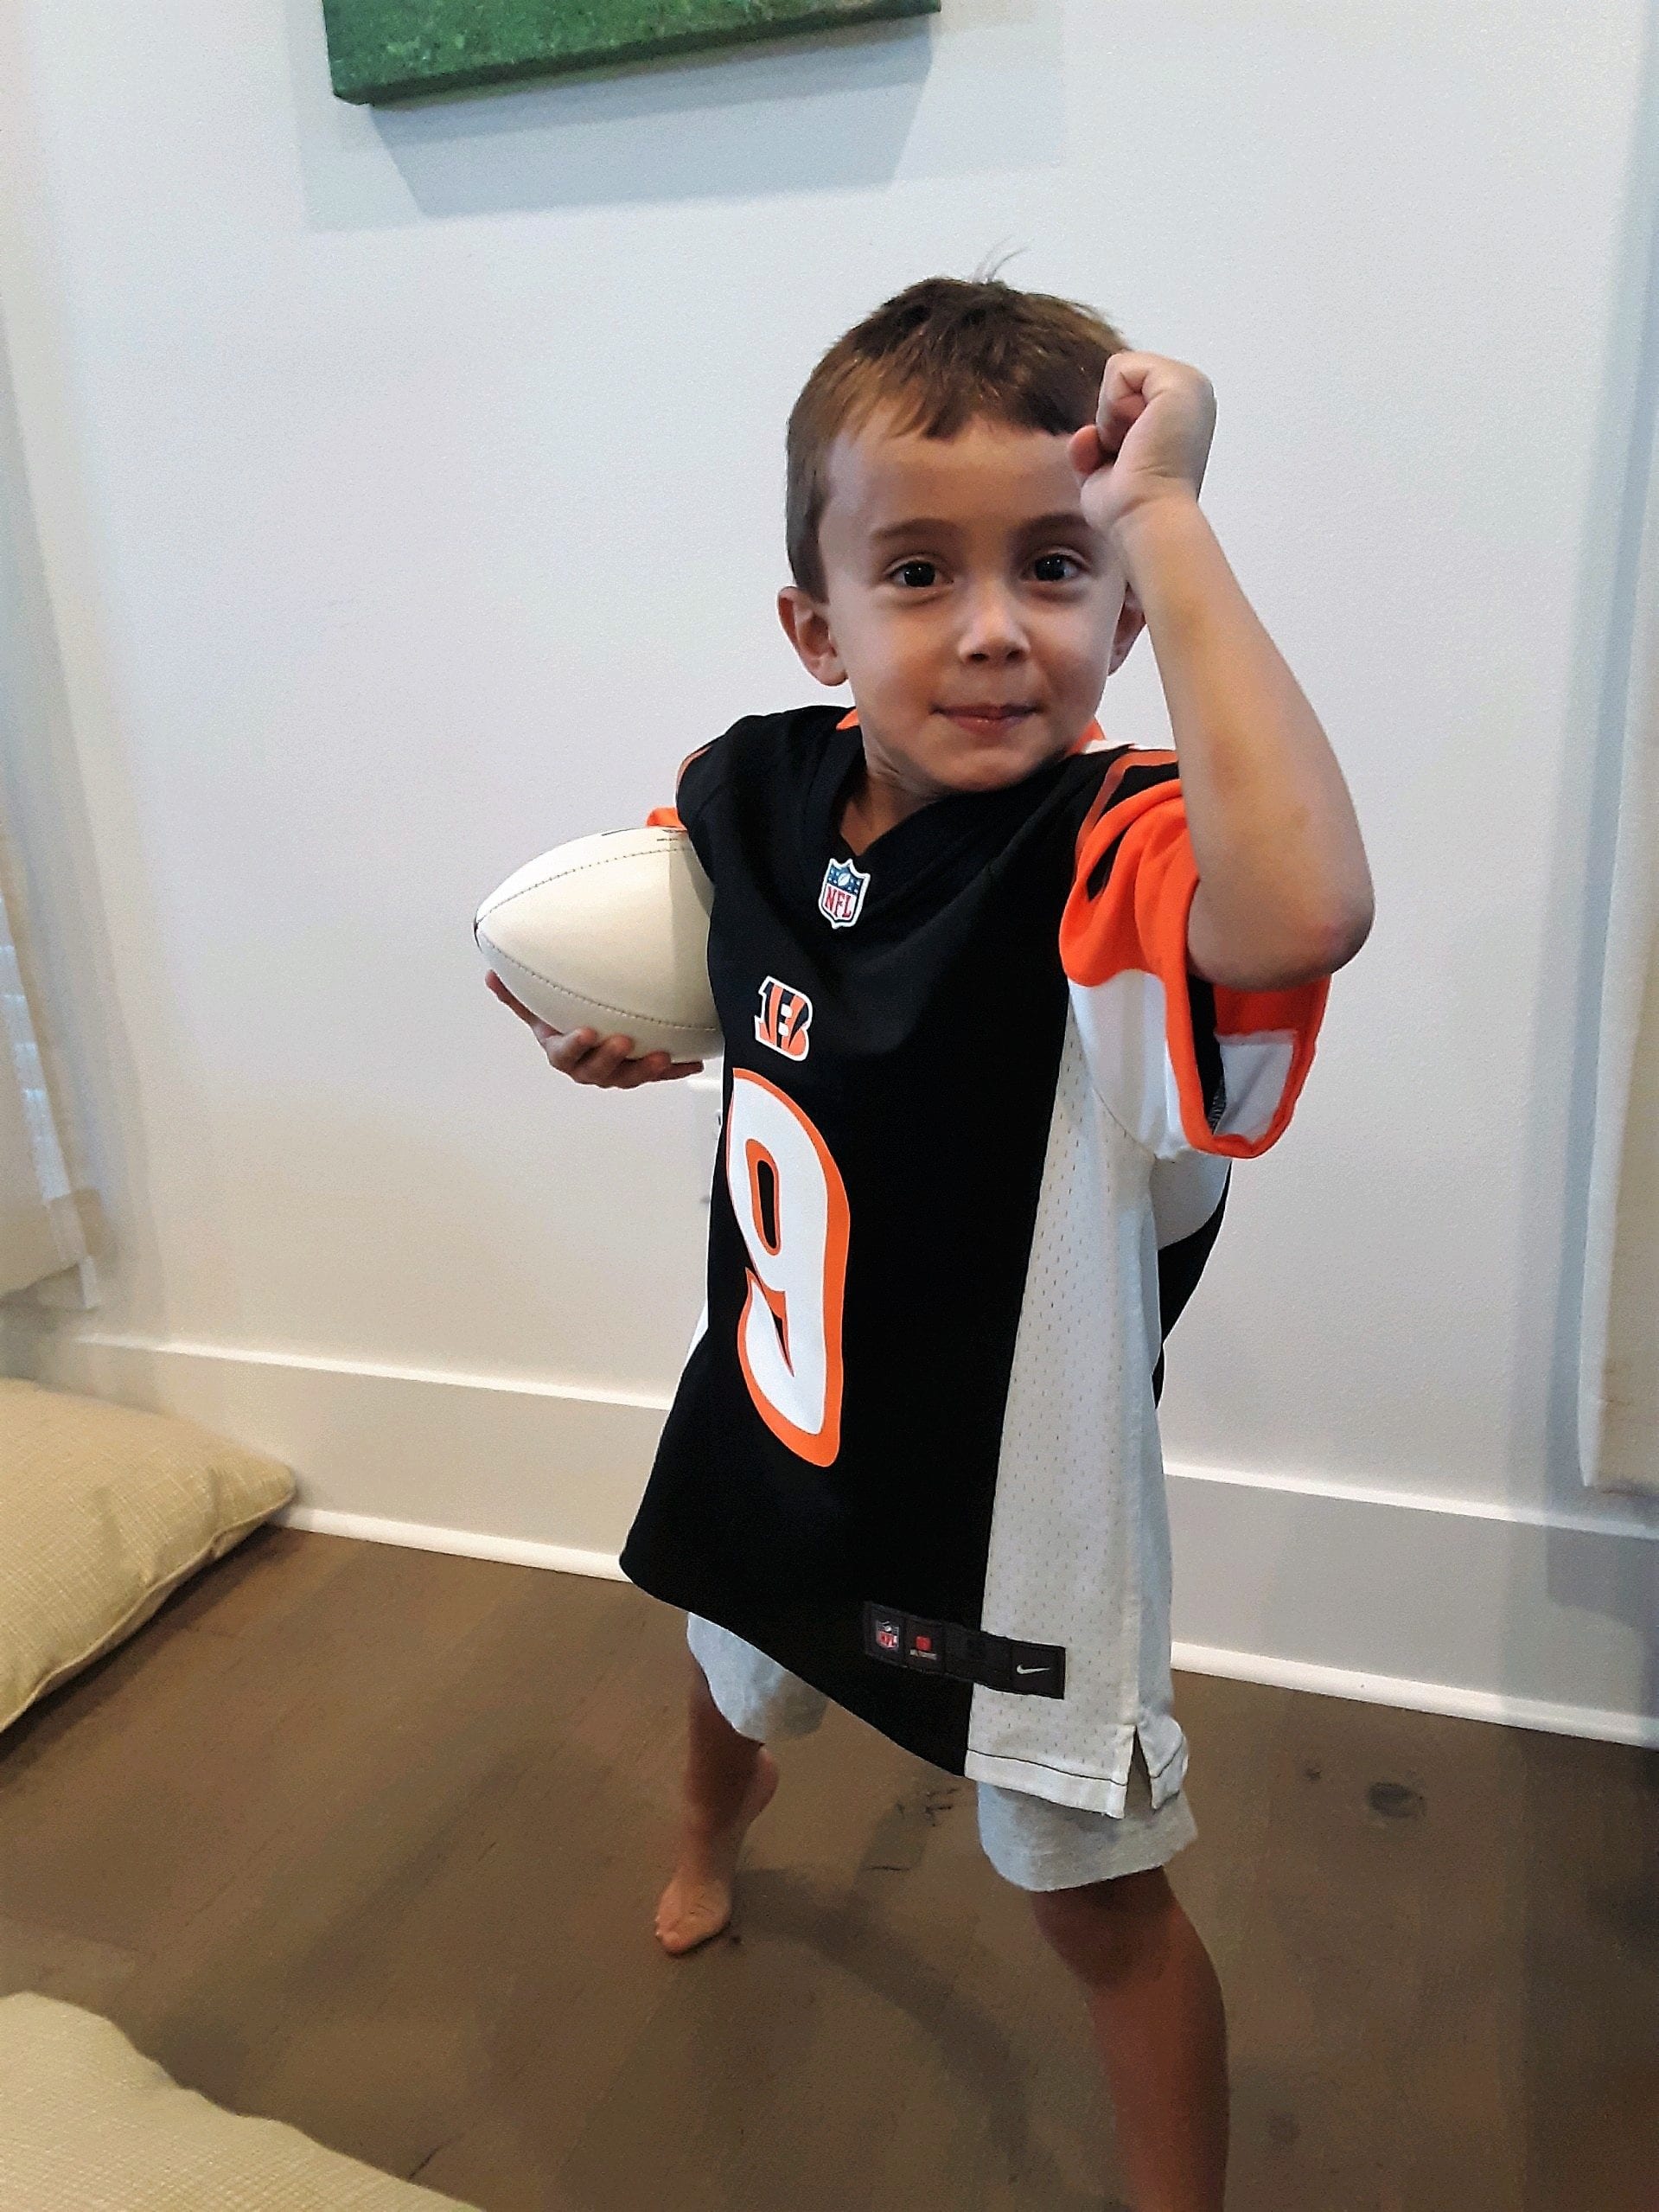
x: 384, y: 51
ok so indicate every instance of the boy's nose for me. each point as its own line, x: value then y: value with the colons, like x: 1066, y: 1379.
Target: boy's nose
x: 993, y: 630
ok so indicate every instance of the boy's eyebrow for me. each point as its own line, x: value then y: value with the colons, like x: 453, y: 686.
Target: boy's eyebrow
x: 1065, y: 518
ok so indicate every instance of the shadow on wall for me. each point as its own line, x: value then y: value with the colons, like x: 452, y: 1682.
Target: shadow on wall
x: 1562, y: 1104
x: 841, y: 109
x: 555, y: 1236
x: 1563, y: 1089
x: 1612, y: 1820
x: 469, y: 1322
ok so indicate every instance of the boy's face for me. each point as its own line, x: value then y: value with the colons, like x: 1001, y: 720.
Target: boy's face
x: 961, y: 574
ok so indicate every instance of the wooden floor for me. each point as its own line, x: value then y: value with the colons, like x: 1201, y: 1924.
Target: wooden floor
x: 369, y: 1840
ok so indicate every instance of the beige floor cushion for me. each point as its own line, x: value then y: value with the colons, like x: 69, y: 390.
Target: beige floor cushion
x: 88, y: 2124
x: 103, y: 1511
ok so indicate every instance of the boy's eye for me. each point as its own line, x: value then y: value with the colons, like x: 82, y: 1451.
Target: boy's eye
x: 919, y: 575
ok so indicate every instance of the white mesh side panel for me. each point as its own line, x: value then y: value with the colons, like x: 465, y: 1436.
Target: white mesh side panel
x: 1123, y: 1027
x: 1255, y: 1068
x: 1079, y: 1552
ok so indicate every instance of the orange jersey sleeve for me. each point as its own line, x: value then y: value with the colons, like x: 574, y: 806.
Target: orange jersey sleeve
x: 1185, y: 1065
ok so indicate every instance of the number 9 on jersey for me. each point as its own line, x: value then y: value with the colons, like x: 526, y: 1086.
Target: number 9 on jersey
x: 791, y: 1206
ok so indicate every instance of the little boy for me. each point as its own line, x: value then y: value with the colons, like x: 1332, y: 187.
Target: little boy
x: 1001, y: 1004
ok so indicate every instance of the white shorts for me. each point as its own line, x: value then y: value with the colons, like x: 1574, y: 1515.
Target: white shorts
x: 1030, y: 1841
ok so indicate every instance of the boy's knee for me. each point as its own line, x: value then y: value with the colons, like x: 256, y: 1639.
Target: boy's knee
x: 1106, y: 1930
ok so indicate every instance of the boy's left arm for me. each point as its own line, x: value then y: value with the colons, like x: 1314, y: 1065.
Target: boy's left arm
x: 1284, y: 891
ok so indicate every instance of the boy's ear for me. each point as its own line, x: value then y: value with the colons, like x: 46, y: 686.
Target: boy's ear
x: 806, y: 625
x: 1130, y: 622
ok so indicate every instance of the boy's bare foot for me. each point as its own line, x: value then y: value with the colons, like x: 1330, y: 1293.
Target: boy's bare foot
x: 696, y: 1904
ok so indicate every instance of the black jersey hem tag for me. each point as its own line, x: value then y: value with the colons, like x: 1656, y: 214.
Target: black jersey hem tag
x: 965, y: 1655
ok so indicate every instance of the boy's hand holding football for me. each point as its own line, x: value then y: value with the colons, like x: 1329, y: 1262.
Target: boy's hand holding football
x: 585, y: 1056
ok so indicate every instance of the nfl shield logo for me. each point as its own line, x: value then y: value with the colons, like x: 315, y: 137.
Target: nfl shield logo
x: 841, y: 900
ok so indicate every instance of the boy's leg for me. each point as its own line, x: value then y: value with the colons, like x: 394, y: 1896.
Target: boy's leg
x: 730, y: 1779
x: 1101, y: 1898
x: 1155, y: 2005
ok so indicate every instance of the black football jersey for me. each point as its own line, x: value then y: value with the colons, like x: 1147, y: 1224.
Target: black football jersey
x: 978, y: 1117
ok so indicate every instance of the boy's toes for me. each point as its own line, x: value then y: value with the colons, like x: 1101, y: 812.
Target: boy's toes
x: 688, y: 1917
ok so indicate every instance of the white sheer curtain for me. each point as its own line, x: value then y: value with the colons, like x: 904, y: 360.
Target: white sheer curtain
x: 1619, y: 1372
x: 43, y: 1232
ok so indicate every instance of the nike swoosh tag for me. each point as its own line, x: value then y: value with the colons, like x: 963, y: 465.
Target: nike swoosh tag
x: 952, y: 1652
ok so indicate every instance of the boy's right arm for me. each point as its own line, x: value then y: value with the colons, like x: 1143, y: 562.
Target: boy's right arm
x: 585, y: 1056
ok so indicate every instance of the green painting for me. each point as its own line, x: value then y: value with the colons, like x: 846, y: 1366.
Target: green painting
x: 402, y: 49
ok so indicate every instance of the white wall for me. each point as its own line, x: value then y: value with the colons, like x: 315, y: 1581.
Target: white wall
x: 391, y: 494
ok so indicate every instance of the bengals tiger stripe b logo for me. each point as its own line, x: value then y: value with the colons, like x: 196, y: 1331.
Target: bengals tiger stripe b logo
x: 784, y: 1019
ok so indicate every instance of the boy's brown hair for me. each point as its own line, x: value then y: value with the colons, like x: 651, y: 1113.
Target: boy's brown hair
x: 941, y: 354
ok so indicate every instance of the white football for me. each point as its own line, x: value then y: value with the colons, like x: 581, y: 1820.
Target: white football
x: 610, y: 933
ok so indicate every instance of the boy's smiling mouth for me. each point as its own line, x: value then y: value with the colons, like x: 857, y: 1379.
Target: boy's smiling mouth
x: 982, y: 714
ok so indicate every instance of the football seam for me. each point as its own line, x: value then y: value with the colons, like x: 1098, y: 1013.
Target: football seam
x: 659, y: 1021
x: 562, y: 875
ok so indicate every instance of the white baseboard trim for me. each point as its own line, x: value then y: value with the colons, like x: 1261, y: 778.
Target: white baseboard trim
x: 1190, y: 1658
x: 1542, y: 1620
x: 562, y: 1558
x: 1419, y: 1697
